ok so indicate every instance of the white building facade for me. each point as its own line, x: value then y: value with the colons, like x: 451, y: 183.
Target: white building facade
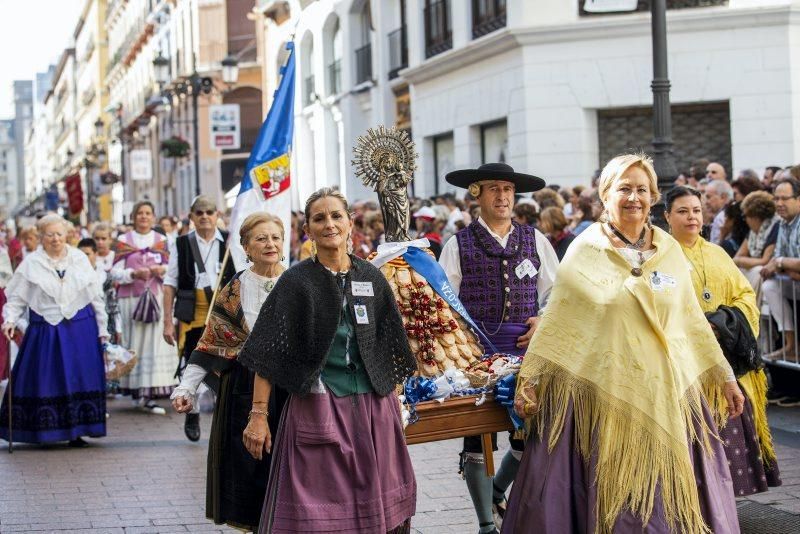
x: 543, y: 86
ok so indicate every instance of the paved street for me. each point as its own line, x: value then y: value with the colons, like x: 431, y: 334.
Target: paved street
x: 146, y: 477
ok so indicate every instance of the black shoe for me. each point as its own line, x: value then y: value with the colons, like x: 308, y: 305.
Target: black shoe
x: 77, y: 443
x: 192, y: 426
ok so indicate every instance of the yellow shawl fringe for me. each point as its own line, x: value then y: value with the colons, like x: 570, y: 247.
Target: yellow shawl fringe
x: 630, y: 453
x: 754, y: 385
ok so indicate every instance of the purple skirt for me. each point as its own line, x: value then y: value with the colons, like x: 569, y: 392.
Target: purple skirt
x: 554, y: 492
x: 340, y: 464
x: 749, y: 472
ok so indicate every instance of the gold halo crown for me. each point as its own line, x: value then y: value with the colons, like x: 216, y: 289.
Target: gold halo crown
x: 382, y: 151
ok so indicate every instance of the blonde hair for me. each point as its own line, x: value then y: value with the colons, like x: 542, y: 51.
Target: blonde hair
x: 101, y: 227
x: 322, y: 193
x: 253, y: 220
x: 618, y: 166
x: 51, y: 219
x: 27, y: 230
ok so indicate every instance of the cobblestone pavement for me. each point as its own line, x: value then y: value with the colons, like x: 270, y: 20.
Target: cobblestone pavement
x: 146, y: 477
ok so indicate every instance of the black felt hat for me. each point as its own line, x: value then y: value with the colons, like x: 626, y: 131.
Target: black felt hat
x: 524, y: 183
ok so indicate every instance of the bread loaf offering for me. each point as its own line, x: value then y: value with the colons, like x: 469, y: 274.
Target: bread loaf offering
x: 439, y: 337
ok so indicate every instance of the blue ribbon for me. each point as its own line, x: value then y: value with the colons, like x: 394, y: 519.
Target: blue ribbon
x: 425, y: 265
x: 417, y: 389
x: 504, y: 392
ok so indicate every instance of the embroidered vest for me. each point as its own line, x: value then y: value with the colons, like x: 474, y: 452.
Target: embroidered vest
x: 489, y: 282
x: 142, y: 258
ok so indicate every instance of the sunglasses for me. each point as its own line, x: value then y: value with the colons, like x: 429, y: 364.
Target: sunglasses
x: 200, y: 213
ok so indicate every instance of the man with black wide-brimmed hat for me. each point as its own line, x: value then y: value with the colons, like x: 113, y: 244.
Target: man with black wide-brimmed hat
x: 503, y: 273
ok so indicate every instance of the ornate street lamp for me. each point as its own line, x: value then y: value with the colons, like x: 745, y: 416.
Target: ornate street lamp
x: 99, y: 128
x: 230, y: 70
x: 161, y: 69
x: 143, y: 126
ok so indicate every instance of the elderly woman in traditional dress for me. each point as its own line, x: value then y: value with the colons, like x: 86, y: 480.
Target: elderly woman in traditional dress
x: 627, y: 384
x: 140, y: 262
x: 58, y: 388
x: 729, y: 302
x: 331, y: 335
x: 236, y: 481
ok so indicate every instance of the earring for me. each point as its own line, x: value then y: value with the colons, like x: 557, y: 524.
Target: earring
x: 350, y: 244
x: 314, y: 250
x: 249, y: 259
x: 283, y: 257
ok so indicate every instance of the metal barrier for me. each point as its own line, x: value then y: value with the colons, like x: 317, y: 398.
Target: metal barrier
x: 771, y: 341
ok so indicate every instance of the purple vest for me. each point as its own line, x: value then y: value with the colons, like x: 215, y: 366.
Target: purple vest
x: 488, y: 280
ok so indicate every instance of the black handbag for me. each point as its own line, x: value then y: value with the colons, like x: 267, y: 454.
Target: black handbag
x: 185, y: 298
x: 184, y: 305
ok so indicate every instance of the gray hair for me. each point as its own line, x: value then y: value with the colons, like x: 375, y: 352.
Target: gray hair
x: 49, y: 220
x: 749, y: 173
x: 721, y: 188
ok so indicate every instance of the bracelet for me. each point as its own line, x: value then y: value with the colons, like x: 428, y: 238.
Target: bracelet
x: 265, y: 413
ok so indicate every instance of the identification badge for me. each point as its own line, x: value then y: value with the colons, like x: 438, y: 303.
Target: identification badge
x: 362, y: 289
x: 361, y: 313
x: 660, y: 281
x: 526, y: 268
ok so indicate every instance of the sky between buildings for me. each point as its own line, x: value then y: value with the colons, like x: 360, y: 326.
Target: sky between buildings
x: 33, y: 33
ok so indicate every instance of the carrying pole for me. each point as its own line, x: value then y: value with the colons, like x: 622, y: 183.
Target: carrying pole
x: 9, y: 391
x: 219, y: 281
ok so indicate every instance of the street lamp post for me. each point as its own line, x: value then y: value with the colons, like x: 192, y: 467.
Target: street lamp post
x: 663, y: 157
x: 94, y: 160
x: 197, y: 85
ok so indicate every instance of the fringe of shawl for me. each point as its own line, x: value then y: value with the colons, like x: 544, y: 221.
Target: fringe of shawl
x: 633, y: 454
x: 755, y: 386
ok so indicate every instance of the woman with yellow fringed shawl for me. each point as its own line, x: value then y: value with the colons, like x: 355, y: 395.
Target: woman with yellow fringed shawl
x: 625, y: 385
x: 729, y: 302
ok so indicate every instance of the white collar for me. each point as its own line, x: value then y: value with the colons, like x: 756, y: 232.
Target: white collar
x: 491, y: 232
x: 217, y: 236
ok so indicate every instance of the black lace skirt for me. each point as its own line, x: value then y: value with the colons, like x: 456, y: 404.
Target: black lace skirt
x: 237, y: 482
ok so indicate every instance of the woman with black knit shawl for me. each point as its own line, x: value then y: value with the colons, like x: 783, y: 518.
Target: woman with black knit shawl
x: 331, y: 335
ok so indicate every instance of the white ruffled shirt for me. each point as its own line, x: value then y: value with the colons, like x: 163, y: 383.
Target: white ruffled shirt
x: 36, y: 285
x: 105, y: 262
x: 253, y: 292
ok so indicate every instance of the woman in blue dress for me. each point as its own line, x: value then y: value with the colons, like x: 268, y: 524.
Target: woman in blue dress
x: 58, y: 384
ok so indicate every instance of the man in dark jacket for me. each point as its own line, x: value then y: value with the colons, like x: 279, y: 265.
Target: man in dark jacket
x: 195, y: 262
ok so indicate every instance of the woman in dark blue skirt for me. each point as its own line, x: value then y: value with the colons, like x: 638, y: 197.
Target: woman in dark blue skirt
x: 58, y: 378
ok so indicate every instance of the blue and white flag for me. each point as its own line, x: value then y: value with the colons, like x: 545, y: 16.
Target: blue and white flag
x: 267, y: 178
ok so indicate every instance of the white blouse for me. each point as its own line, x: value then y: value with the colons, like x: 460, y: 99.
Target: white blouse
x: 253, y: 292
x: 36, y: 285
x: 105, y: 262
